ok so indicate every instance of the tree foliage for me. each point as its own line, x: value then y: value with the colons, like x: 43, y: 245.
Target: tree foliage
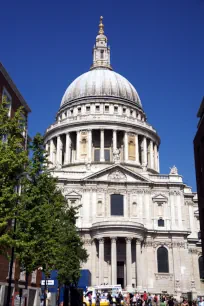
x: 13, y: 158
x: 46, y: 233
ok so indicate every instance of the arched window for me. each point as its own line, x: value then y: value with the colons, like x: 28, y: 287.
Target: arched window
x: 201, y: 267
x: 162, y: 260
x: 116, y: 205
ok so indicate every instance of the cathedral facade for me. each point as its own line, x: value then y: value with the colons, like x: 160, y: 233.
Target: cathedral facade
x: 140, y: 227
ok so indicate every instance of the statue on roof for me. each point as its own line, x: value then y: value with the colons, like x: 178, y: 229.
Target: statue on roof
x: 174, y: 170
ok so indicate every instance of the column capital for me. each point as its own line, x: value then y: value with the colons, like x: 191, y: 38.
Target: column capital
x: 138, y: 241
x: 101, y: 240
x: 113, y: 239
x: 128, y: 239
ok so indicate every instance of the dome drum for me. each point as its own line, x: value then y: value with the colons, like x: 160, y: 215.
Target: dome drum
x: 103, y: 145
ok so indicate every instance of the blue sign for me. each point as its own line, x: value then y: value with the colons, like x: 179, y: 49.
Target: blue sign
x: 51, y: 282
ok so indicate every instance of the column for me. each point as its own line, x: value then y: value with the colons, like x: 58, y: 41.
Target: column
x: 145, y: 151
x: 67, y: 152
x: 59, y: 150
x: 51, y: 152
x: 138, y: 265
x: 171, y: 199
x: 113, y: 261
x: 114, y: 140
x: 101, y: 261
x: 158, y: 168
x: 93, y: 262
x: 155, y: 157
x: 126, y: 147
x: 136, y: 149
x: 151, y: 155
x: 102, y: 159
x: 129, y: 262
x: 90, y: 145
x: 78, y: 146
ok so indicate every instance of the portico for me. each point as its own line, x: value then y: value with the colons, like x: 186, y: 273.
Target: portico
x: 127, y: 260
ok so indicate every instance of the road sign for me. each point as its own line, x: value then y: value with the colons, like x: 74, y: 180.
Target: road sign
x: 49, y: 282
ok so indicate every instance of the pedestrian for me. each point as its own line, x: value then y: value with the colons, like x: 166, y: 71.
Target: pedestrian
x: 185, y: 303
x: 171, y: 302
x: 90, y: 298
x: 145, y: 297
x: 97, y: 299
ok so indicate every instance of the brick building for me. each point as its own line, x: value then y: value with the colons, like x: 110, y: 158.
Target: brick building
x: 15, y: 99
x: 199, y: 166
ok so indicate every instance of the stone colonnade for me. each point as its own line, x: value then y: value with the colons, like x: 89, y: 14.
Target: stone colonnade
x: 129, y: 259
x: 136, y: 148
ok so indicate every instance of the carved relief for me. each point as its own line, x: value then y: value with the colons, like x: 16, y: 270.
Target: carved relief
x: 87, y: 241
x: 117, y: 176
x: 164, y: 276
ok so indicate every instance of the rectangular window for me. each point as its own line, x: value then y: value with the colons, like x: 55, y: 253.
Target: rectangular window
x: 96, y: 154
x: 124, y: 110
x: 115, y: 109
x: 107, y: 154
x: 71, y: 112
x: 79, y: 110
x: 97, y: 108
x: 106, y: 108
x: 131, y: 112
x: 88, y: 108
x: 5, y: 94
x: 116, y: 205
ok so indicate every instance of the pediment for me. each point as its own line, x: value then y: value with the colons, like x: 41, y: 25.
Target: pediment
x: 117, y: 173
x: 73, y: 194
x: 159, y: 198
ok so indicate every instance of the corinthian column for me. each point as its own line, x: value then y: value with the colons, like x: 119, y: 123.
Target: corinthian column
x: 78, y: 146
x: 151, y: 155
x: 145, y: 151
x: 114, y: 260
x: 138, y: 265
x: 136, y: 149
x: 51, y: 152
x: 59, y: 150
x: 102, y: 159
x: 101, y: 261
x: 114, y: 140
x: 129, y: 262
x: 89, y: 145
x: 67, y: 153
x: 155, y: 157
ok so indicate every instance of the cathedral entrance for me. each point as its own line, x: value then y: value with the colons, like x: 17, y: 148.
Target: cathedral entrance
x: 120, y: 273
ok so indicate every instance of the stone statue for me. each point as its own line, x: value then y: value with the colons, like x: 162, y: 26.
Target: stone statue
x: 116, y: 156
x: 174, y: 170
x: 88, y: 166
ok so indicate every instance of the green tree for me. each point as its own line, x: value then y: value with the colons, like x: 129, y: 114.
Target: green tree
x: 13, y: 158
x: 70, y: 252
x: 45, y: 219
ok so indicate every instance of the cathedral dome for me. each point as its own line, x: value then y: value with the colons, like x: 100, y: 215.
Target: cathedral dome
x: 101, y: 82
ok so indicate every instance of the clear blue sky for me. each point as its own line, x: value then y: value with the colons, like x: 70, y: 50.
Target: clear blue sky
x: 158, y: 45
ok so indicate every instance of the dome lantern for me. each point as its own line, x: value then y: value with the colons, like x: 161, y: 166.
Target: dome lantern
x: 101, y: 51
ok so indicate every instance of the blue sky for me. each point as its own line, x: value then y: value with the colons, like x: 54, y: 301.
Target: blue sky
x: 158, y: 45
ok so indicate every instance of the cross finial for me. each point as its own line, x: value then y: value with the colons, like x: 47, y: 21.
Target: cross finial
x: 101, y: 26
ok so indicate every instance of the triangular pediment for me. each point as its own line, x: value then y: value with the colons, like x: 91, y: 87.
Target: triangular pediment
x: 73, y: 194
x: 159, y: 198
x: 117, y: 173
